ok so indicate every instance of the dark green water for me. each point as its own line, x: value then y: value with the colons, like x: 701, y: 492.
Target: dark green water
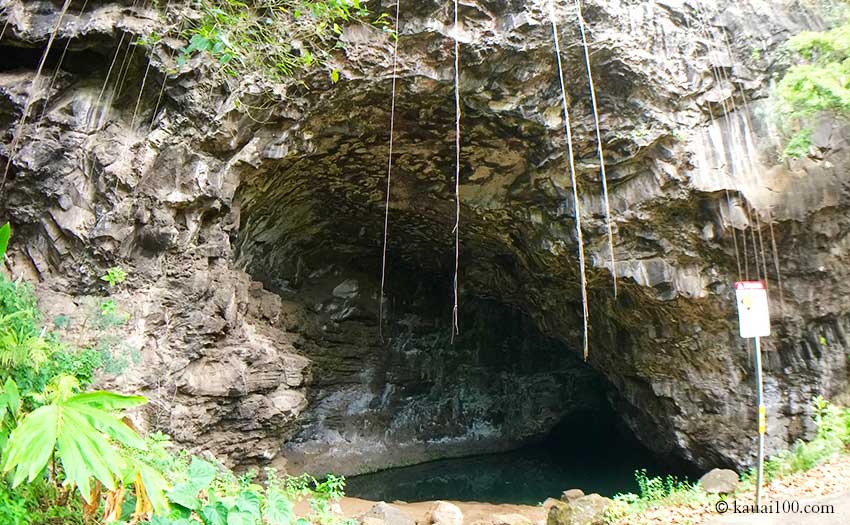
x: 604, y: 462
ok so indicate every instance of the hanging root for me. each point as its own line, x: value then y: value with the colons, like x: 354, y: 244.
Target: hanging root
x: 389, y: 179
x: 56, y: 71
x: 776, y: 261
x: 573, y: 180
x: 749, y: 211
x: 602, y: 172
x: 455, y: 326
x: 761, y: 247
x: 734, y: 235
x: 34, y: 89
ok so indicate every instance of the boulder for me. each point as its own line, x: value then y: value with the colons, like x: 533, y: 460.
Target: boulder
x: 444, y: 513
x: 586, y: 510
x: 549, y: 502
x: 571, y: 494
x: 348, y: 289
x: 719, y: 481
x: 385, y: 514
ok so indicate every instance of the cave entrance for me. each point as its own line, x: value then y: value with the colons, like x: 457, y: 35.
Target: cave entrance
x: 389, y: 408
x: 401, y: 401
x: 590, y: 450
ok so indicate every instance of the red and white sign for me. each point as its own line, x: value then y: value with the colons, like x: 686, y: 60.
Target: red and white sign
x: 753, y: 314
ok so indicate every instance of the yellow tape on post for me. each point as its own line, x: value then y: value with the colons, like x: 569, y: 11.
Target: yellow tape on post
x: 762, y: 419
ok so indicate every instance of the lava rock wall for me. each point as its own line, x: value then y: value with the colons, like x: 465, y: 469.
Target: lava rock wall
x: 245, y: 236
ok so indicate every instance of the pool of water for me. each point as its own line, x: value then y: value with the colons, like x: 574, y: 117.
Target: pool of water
x: 595, y: 456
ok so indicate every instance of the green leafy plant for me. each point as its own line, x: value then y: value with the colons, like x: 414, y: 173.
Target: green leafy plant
x: 79, y: 433
x: 110, y: 315
x: 212, y: 496
x: 832, y: 437
x: 276, y: 38
x: 10, y: 407
x: 655, y: 492
x: 14, y: 509
x: 819, y: 84
x: 22, y: 340
x: 5, y: 234
x: 114, y: 276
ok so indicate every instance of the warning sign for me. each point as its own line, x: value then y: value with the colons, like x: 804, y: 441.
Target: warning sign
x: 753, y: 315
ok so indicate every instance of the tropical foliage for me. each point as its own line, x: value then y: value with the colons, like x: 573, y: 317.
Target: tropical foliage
x: 70, y: 456
x: 276, y: 38
x: 819, y: 83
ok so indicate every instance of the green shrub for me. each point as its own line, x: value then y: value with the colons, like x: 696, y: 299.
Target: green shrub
x: 655, y: 492
x: 5, y: 235
x: 276, y: 38
x: 832, y: 437
x: 818, y: 85
x: 14, y: 509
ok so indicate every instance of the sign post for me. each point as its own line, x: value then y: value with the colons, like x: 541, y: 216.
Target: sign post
x: 754, y: 323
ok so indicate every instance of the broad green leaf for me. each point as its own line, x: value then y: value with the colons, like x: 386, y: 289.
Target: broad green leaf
x: 185, y: 495
x: 5, y: 234
x: 240, y: 518
x: 85, y: 454
x: 168, y: 520
x: 155, y: 486
x: 201, y: 473
x: 198, y: 43
x: 79, y: 431
x: 176, y: 512
x: 249, y: 501
x: 108, y: 400
x: 215, y: 514
x: 109, y: 424
x: 278, y: 508
x: 335, y: 76
x: 31, y: 444
x: 13, y: 397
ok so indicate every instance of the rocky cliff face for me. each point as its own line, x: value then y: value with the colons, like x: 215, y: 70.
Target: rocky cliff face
x: 254, y: 241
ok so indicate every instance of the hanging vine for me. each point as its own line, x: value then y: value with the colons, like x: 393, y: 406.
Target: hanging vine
x: 599, y: 151
x: 389, y: 174
x: 35, y: 88
x: 574, y: 181
x: 55, y: 75
x: 455, y: 326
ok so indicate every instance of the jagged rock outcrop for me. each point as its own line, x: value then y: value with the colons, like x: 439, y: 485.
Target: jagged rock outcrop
x: 203, y: 203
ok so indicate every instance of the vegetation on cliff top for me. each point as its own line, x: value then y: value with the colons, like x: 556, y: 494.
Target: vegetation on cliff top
x: 276, y: 38
x: 819, y: 84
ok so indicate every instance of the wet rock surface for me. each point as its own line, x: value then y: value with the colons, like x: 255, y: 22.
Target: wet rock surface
x: 254, y: 247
